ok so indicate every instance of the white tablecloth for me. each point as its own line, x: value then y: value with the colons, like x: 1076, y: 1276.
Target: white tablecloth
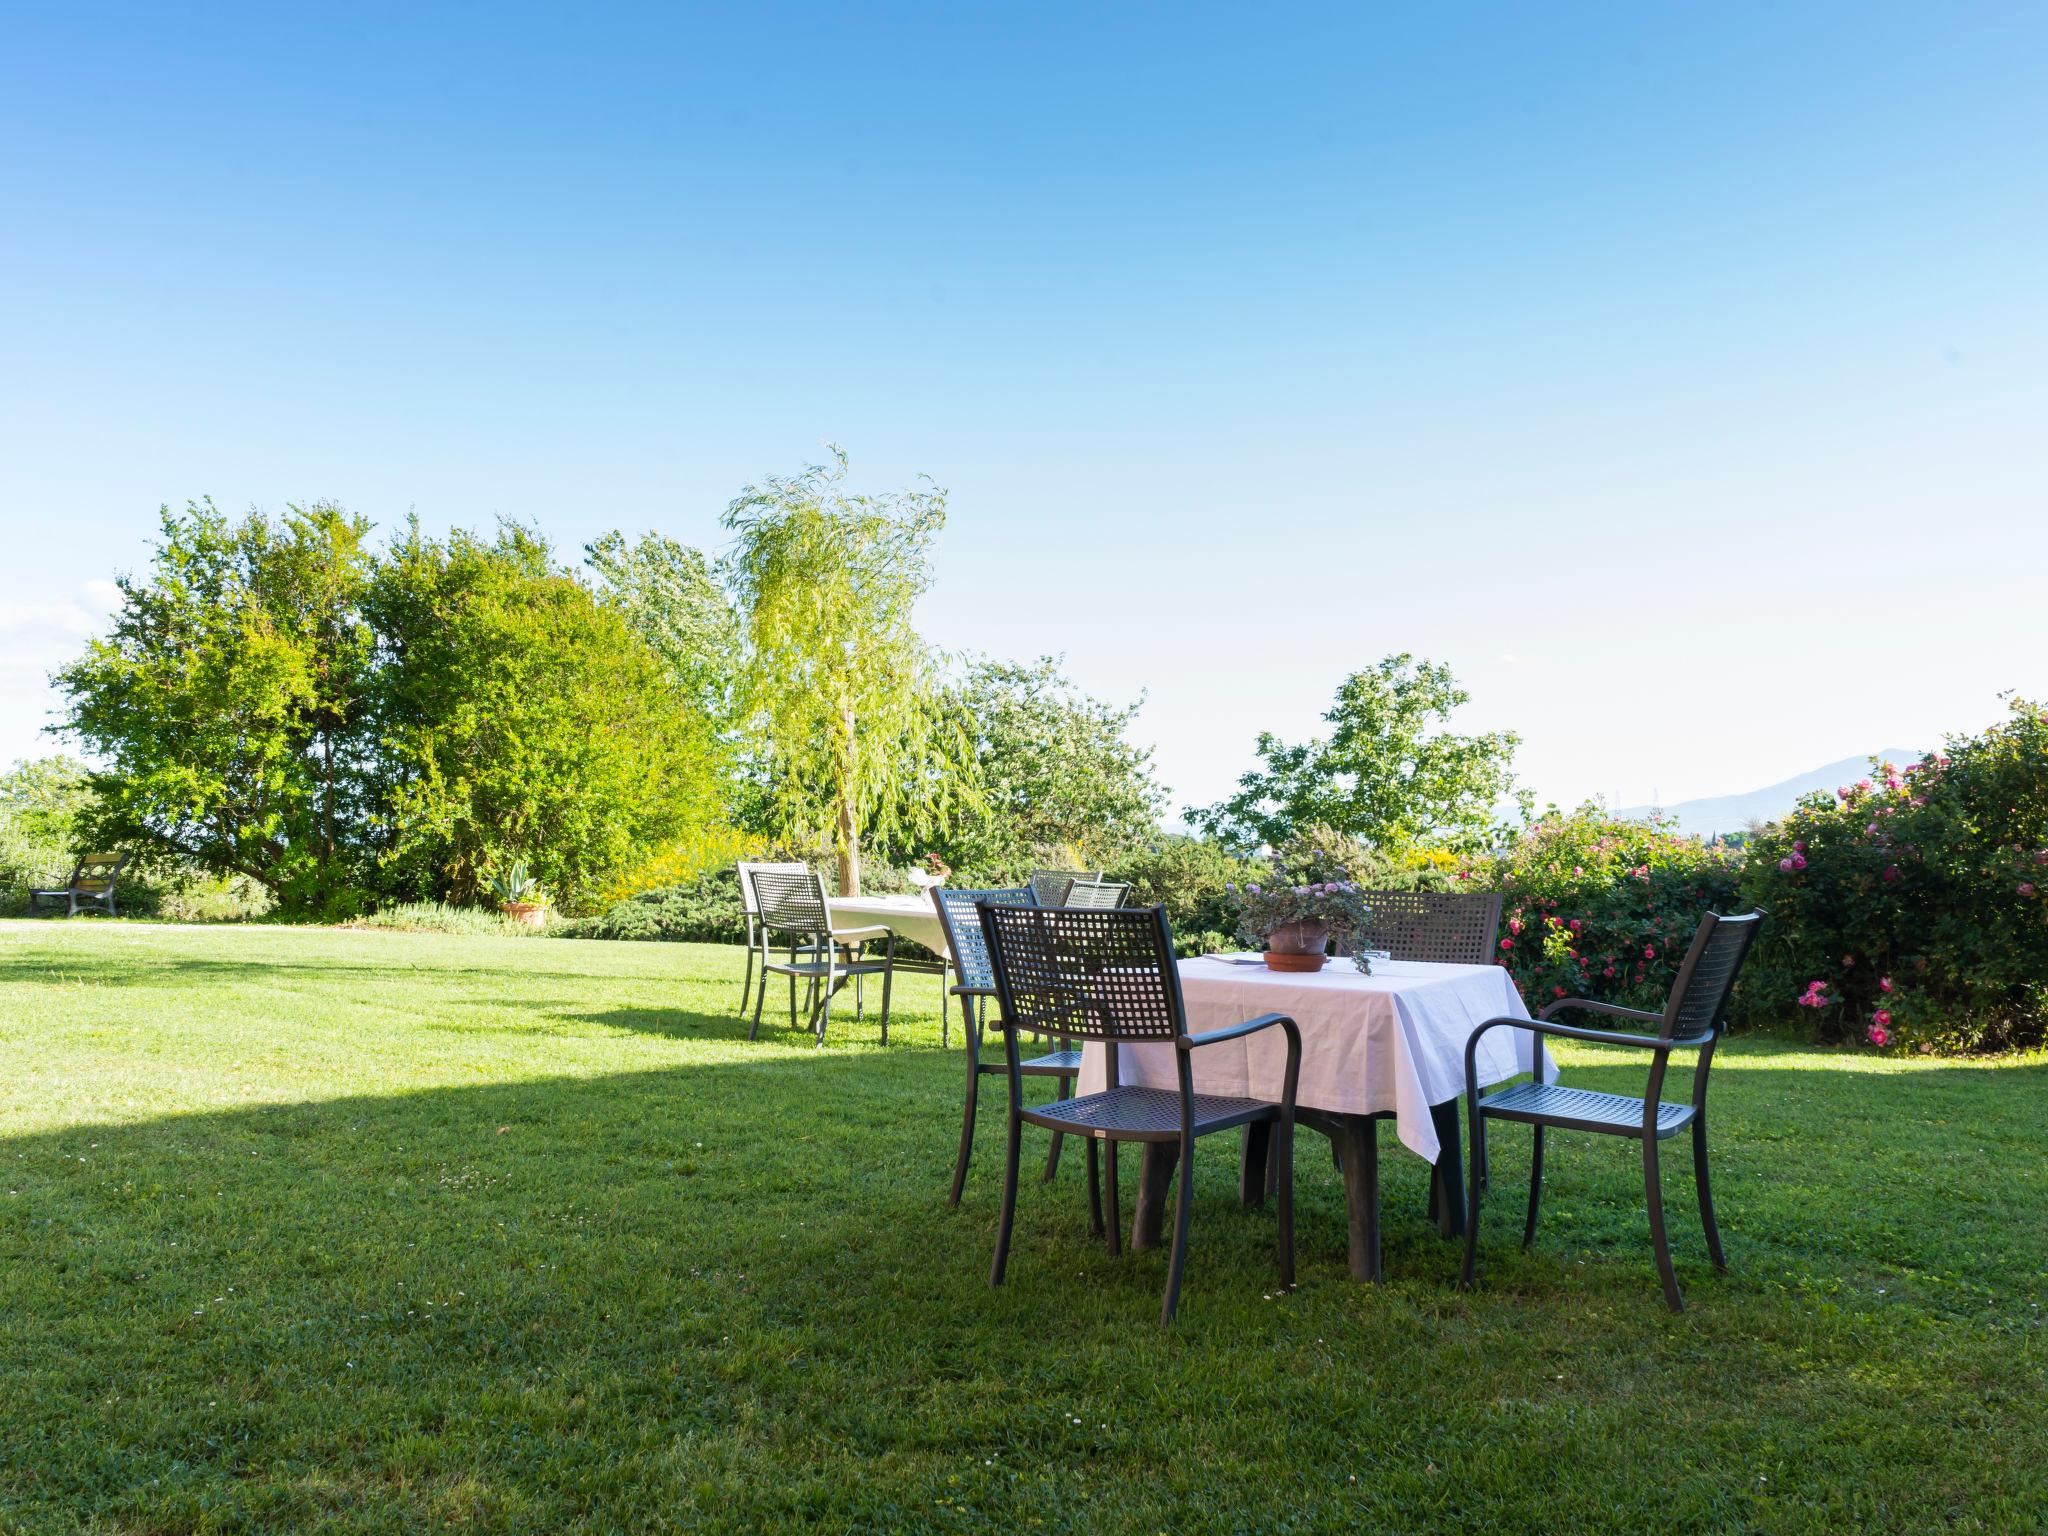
x: 1394, y: 1040
x: 912, y: 916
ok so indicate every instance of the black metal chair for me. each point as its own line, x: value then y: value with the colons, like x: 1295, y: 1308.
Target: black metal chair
x: 750, y: 909
x: 1692, y: 1019
x: 795, y: 905
x: 1095, y: 895
x: 91, y: 885
x: 1435, y: 926
x: 977, y: 984
x: 1111, y: 976
x: 1050, y: 886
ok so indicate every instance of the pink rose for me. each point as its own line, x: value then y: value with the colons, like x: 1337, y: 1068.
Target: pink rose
x: 1882, y: 1018
x: 1514, y: 925
x: 1884, y: 984
x: 1799, y: 847
x: 1507, y: 943
x: 1799, y: 861
x: 1879, y: 1036
x: 1649, y: 951
x: 2026, y: 888
x: 1891, y: 872
x: 1785, y: 866
x: 1575, y: 925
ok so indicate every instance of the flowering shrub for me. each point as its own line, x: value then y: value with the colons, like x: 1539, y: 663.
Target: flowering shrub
x: 1599, y: 908
x: 1907, y: 908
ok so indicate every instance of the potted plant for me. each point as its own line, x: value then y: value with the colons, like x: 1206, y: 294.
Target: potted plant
x: 520, y: 896
x: 1293, y: 922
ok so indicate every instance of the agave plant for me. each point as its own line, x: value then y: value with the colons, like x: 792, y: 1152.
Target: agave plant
x: 514, y: 886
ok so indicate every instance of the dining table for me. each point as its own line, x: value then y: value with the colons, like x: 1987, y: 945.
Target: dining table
x: 1384, y: 1045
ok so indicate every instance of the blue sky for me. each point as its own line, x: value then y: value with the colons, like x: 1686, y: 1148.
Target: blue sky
x: 1675, y: 373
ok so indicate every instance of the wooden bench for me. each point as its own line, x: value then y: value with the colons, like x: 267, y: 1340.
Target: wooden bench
x: 91, y: 886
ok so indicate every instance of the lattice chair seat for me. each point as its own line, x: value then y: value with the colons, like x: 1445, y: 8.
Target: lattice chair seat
x: 1051, y: 1064
x: 1140, y: 1114
x: 1556, y: 1104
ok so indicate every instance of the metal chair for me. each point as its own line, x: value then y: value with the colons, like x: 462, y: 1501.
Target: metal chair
x: 795, y: 904
x: 91, y: 885
x: 1095, y: 895
x: 1050, y: 885
x: 1435, y: 926
x: 1441, y: 928
x: 1111, y: 976
x: 750, y: 908
x: 957, y: 915
x: 1692, y: 1019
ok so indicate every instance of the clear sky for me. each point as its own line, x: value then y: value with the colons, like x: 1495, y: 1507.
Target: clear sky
x: 1679, y: 374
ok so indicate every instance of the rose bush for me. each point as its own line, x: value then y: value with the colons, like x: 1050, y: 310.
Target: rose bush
x: 1601, y: 908
x: 1907, y: 908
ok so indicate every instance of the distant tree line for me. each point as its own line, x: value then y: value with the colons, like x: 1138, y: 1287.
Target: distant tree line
x: 346, y: 723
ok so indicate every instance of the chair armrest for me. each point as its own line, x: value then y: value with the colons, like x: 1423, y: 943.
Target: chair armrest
x: 961, y: 989
x: 1640, y: 1015
x: 1544, y: 1026
x: 1189, y: 1043
x: 1239, y: 1031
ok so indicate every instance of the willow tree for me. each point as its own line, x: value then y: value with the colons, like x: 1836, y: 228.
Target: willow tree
x: 844, y: 699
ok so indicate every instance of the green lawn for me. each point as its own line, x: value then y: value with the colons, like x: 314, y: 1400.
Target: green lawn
x: 307, y: 1229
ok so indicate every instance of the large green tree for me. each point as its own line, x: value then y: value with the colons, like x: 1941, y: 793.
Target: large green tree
x: 671, y: 597
x: 1055, y: 767
x: 519, y: 718
x: 223, y: 703
x: 842, y: 698
x: 1388, y: 774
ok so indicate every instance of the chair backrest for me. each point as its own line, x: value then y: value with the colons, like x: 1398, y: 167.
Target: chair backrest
x: 964, y: 941
x: 1699, y: 994
x: 791, y: 899
x: 1050, y: 886
x: 748, y: 902
x: 1096, y: 895
x: 1436, y: 926
x: 1082, y: 974
x: 95, y: 873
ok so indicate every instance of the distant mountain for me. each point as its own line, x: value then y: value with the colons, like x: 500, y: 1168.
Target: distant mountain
x: 1731, y: 813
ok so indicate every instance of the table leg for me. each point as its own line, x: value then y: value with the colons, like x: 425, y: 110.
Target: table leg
x: 1358, y: 1137
x: 1254, y: 1173
x: 1447, y: 1178
x: 1155, y: 1173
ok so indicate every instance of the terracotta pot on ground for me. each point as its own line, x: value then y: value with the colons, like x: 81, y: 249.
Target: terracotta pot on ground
x: 1297, y: 947
x: 528, y: 914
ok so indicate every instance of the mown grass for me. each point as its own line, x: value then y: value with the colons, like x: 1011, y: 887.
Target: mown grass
x: 310, y: 1229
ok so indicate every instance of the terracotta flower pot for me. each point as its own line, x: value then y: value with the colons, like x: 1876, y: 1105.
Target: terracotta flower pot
x: 1297, y: 947
x: 528, y: 914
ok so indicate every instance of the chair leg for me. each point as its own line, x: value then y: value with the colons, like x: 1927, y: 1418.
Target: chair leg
x: 1183, y: 1206
x: 1535, y: 1183
x: 1052, y: 1156
x: 1653, y: 1195
x: 945, y: 1025
x: 824, y: 1011
x: 747, y: 986
x: 760, y: 997
x: 888, y: 985
x: 1094, y: 1189
x: 1008, y: 1219
x: 1282, y: 1153
x: 860, y: 998
x: 1112, y: 1210
x: 966, y: 1134
x: 1699, y: 1175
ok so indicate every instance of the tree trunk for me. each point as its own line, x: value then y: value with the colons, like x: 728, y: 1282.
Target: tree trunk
x: 849, y: 824
x: 849, y: 849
